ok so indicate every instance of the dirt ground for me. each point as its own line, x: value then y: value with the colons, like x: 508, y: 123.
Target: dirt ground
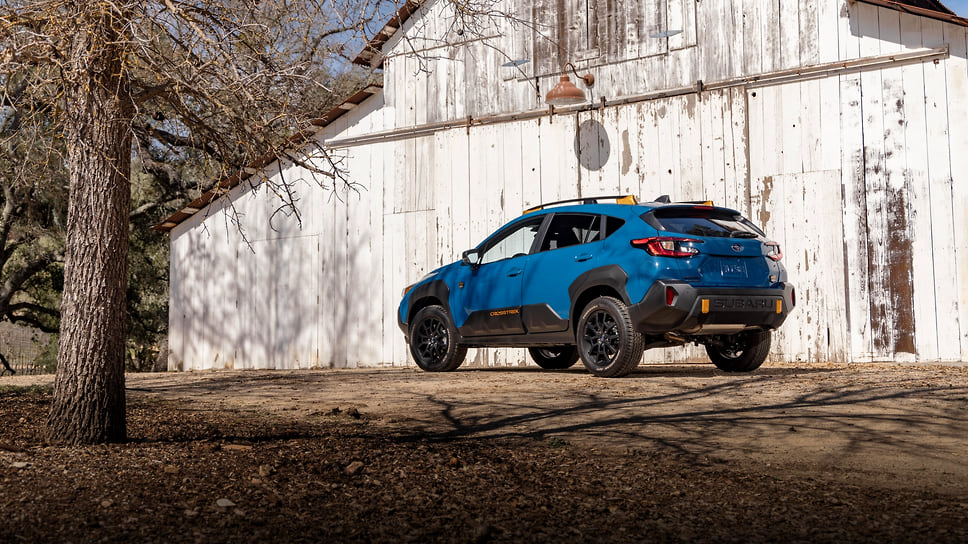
x: 792, y: 453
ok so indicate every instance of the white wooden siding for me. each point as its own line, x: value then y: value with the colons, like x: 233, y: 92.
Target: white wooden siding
x: 862, y: 177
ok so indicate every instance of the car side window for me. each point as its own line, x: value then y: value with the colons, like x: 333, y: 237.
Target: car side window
x: 612, y: 224
x: 572, y: 229
x: 515, y: 242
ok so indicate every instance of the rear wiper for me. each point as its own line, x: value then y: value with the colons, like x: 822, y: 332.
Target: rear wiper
x: 742, y: 234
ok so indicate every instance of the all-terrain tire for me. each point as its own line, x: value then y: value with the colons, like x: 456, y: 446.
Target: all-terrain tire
x: 434, y: 341
x: 554, y: 357
x: 608, y: 344
x: 743, y: 352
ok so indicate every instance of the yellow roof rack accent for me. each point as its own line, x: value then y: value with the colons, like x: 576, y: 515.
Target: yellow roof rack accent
x: 627, y: 199
x: 619, y: 199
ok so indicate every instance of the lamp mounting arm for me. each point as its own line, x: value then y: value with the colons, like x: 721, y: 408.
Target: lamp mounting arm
x: 589, y: 79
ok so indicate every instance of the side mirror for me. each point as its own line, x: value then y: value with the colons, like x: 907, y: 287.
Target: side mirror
x: 471, y: 257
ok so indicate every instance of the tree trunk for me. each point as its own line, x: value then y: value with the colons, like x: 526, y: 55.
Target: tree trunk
x: 89, y: 401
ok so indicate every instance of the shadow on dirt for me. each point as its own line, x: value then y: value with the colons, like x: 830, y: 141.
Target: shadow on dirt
x: 694, y: 409
x: 697, y: 421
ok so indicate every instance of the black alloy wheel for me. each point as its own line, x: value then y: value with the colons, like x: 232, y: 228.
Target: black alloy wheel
x: 608, y: 344
x: 433, y: 341
x: 554, y: 357
x: 743, y: 352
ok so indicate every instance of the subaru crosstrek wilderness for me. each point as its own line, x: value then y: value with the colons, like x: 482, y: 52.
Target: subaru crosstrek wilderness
x: 603, y: 282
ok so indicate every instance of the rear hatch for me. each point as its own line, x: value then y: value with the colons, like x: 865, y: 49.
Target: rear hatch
x: 730, y: 251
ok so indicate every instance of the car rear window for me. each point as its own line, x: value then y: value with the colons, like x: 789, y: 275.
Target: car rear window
x: 708, y: 222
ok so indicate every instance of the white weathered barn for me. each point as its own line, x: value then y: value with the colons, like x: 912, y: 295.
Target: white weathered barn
x: 840, y: 126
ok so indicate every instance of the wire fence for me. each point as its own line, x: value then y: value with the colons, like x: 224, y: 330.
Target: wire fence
x: 21, y: 347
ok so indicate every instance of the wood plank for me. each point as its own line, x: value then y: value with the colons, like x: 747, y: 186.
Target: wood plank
x: 809, y: 123
x: 899, y: 199
x: 444, y: 181
x: 663, y: 167
x: 510, y: 155
x: 375, y: 207
x: 715, y: 186
x: 394, y: 280
x: 831, y: 269
x: 178, y: 270
x: 756, y: 143
x: 772, y: 156
x: 800, y: 206
x: 559, y: 169
x: 461, y: 178
x: 710, y: 35
x: 628, y: 148
x: 829, y: 23
x: 789, y: 37
x: 918, y: 192
x: 771, y: 43
x: 530, y: 164
x: 736, y: 152
x: 809, y: 32
x: 752, y: 43
x: 681, y: 144
x: 855, y: 219
x: 732, y: 32
x: 942, y: 230
x: 956, y: 69
x: 882, y: 326
x: 775, y: 209
x: 791, y: 155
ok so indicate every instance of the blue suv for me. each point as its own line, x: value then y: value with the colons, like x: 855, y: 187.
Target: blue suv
x: 603, y: 282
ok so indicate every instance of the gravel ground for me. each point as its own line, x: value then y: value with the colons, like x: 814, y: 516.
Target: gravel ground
x: 791, y: 453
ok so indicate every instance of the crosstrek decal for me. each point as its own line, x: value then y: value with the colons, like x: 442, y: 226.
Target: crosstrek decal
x: 491, y: 322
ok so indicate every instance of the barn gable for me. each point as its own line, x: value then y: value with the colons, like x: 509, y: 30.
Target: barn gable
x: 832, y: 124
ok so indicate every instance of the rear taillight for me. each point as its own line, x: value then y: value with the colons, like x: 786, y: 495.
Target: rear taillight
x: 773, y: 251
x: 667, y: 247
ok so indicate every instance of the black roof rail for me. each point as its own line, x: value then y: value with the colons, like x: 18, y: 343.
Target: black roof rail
x: 619, y: 199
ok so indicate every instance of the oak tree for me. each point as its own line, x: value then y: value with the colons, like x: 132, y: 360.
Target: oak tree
x: 224, y: 83
x: 215, y: 78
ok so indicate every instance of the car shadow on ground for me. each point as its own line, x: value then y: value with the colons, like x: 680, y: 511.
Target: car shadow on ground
x: 650, y: 370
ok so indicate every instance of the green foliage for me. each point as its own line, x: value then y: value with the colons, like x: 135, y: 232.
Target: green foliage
x: 47, y: 359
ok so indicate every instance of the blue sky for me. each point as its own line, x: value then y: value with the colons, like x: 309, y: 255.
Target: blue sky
x: 958, y: 6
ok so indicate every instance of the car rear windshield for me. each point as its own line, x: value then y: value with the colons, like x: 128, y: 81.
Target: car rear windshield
x: 708, y: 222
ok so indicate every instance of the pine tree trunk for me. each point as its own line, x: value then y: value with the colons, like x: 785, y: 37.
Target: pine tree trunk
x: 89, y: 400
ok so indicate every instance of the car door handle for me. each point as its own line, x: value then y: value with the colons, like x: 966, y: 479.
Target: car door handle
x: 514, y: 272
x: 583, y: 257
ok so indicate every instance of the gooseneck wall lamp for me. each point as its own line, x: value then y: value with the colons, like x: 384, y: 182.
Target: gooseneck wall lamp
x: 565, y: 92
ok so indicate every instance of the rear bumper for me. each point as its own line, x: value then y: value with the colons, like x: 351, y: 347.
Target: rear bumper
x: 710, y: 310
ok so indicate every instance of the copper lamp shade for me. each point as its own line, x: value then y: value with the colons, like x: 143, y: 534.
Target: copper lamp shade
x: 565, y: 93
